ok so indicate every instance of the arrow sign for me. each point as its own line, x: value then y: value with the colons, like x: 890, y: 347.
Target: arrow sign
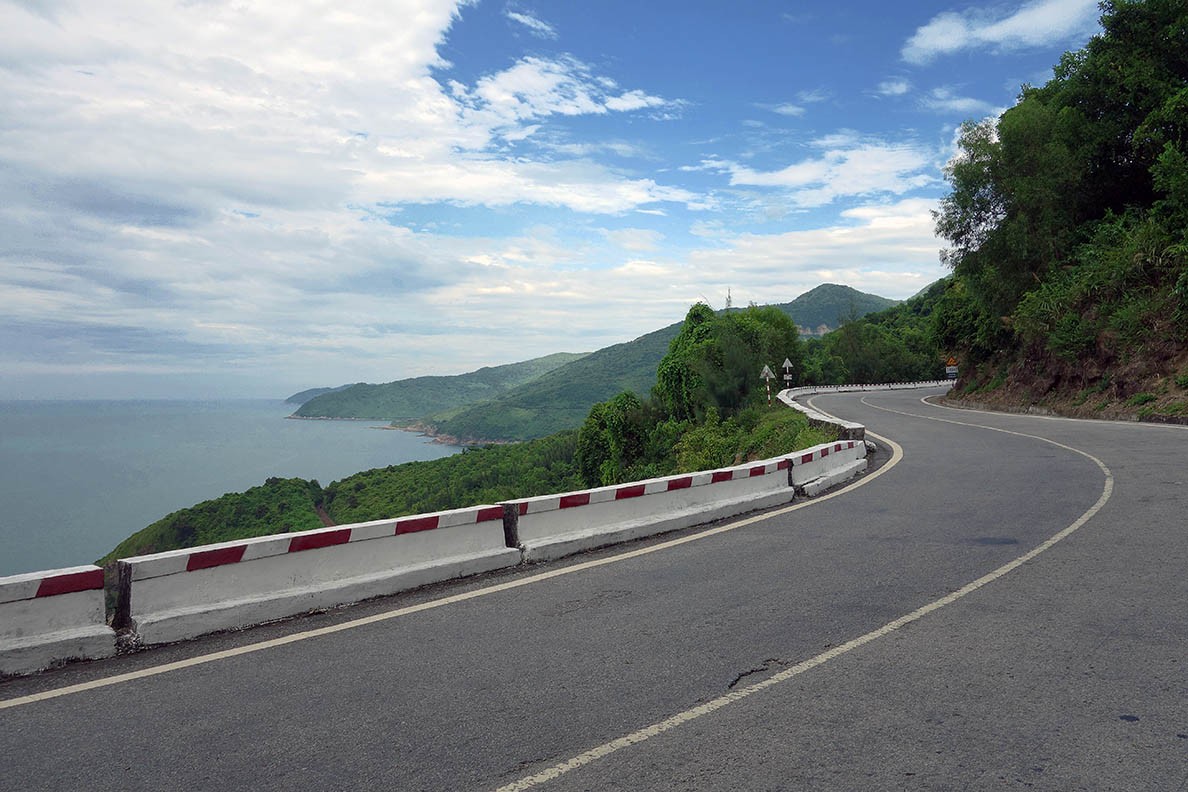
x: 767, y: 373
x: 787, y: 364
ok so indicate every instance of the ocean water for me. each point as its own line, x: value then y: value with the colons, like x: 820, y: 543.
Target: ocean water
x: 76, y: 478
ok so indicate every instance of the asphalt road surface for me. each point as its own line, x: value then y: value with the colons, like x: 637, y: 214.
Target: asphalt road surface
x: 1002, y: 604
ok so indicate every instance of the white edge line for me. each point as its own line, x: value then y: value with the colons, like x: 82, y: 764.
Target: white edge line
x: 897, y: 455
x: 708, y: 707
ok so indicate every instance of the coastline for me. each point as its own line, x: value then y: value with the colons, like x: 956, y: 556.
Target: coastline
x: 425, y: 430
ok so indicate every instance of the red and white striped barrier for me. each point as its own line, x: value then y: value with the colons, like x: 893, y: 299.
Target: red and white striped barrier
x: 846, y: 430
x: 50, y: 617
x: 818, y: 468
x: 183, y: 593
x: 552, y: 526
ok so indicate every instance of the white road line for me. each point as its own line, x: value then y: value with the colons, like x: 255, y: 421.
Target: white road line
x: 897, y: 455
x: 734, y: 696
x: 1038, y: 417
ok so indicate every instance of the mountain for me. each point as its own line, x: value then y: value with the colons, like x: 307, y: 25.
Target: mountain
x: 303, y: 396
x: 409, y: 399
x: 526, y: 400
x: 562, y: 398
x: 830, y: 305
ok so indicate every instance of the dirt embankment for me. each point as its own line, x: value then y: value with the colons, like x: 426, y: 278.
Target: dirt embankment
x: 1152, y: 388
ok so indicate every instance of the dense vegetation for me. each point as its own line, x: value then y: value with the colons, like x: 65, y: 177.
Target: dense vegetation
x: 301, y: 397
x: 708, y: 408
x: 412, y: 398
x: 899, y: 344
x: 560, y: 399
x: 476, y: 476
x: 277, y: 506
x: 831, y: 304
x: 707, y: 412
x: 1068, y: 220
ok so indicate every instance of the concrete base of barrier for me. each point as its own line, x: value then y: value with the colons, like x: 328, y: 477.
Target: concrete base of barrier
x: 833, y: 478
x: 552, y: 547
x: 182, y: 623
x: 24, y: 656
x: 48, y: 618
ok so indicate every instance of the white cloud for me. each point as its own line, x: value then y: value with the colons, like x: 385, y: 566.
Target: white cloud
x: 537, y: 26
x: 789, y: 110
x: 813, y: 96
x: 887, y: 249
x: 536, y: 88
x: 848, y: 166
x: 895, y: 87
x: 946, y: 100
x: 637, y: 240
x: 1033, y: 24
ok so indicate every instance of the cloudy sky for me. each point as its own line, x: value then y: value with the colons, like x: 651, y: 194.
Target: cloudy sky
x: 211, y: 198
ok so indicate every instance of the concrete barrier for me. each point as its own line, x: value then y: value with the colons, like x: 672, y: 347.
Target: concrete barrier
x: 552, y: 526
x: 49, y: 617
x: 179, y: 594
x: 816, y: 469
x: 846, y: 430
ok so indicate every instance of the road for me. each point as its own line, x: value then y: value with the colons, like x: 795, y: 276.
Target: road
x: 1003, y: 604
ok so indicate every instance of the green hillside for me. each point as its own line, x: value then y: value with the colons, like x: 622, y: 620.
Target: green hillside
x: 302, y: 397
x: 562, y: 399
x: 409, y: 399
x: 276, y: 506
x: 1068, y: 226
x: 832, y: 305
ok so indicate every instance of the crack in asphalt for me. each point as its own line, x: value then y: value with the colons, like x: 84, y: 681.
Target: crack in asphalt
x: 767, y: 664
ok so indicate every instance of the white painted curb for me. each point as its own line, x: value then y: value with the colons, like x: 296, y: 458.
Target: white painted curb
x: 50, y: 617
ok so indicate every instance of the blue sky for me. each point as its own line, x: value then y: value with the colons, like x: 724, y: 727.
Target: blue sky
x: 212, y: 198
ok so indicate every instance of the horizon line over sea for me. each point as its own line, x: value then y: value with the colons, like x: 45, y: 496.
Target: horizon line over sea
x: 81, y: 475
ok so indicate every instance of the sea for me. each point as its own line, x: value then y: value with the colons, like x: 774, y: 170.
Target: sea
x: 78, y: 477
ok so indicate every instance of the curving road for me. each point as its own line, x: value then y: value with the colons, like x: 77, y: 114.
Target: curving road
x: 1003, y: 604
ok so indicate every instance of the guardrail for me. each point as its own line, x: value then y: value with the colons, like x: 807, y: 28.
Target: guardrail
x: 49, y: 617
x: 179, y: 594
x: 847, y: 430
x: 552, y: 526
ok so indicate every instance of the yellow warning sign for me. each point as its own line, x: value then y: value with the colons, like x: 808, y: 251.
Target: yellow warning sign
x: 952, y: 362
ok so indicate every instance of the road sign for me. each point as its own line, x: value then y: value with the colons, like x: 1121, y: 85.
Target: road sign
x: 767, y: 373
x: 952, y: 362
x: 787, y: 364
x: 951, y: 372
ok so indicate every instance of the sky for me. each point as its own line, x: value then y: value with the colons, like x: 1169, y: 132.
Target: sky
x: 212, y: 198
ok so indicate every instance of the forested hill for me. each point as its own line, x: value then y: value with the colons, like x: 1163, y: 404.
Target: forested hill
x: 303, y: 396
x: 1068, y: 225
x: 830, y: 305
x: 562, y: 399
x: 409, y: 399
x: 561, y: 392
